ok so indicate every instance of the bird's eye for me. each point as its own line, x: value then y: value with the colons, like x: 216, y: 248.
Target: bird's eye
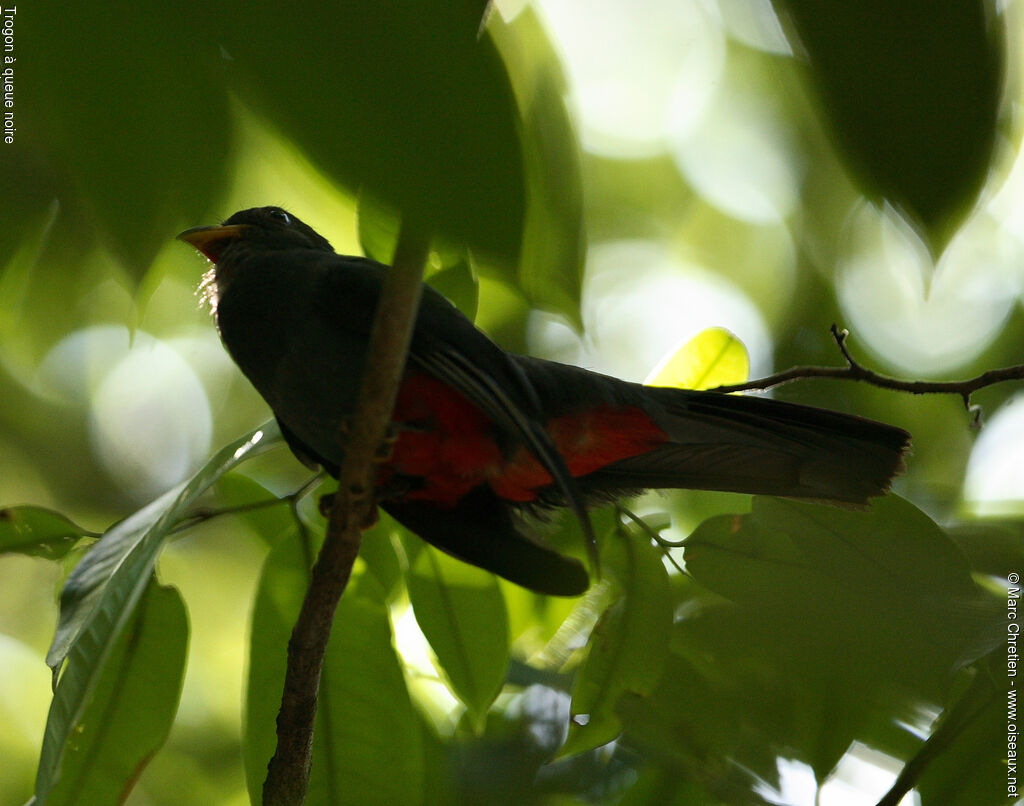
x: 280, y: 215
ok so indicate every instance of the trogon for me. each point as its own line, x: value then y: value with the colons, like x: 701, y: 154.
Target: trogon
x: 487, y: 440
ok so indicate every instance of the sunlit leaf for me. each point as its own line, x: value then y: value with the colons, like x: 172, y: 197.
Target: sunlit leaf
x: 461, y: 611
x: 714, y: 357
x: 367, y: 741
x: 38, y: 532
x: 131, y: 709
x: 628, y: 646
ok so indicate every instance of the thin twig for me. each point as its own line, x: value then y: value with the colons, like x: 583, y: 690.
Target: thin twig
x: 203, y: 514
x: 650, y: 531
x: 354, y: 507
x: 854, y: 371
x: 654, y: 535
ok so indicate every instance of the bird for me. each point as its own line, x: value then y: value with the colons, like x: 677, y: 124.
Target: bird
x: 486, y: 442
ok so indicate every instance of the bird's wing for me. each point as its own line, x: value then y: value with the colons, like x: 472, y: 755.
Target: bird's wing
x: 451, y: 348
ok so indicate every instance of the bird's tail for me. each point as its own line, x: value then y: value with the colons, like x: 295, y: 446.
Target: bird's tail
x: 756, y: 445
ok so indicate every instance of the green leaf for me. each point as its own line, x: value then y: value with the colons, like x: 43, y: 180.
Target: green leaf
x: 714, y: 357
x: 958, y: 762
x: 38, y: 532
x: 461, y: 611
x: 404, y: 102
x: 26, y: 177
x: 836, y: 625
x: 367, y: 742
x: 128, y: 550
x: 459, y: 284
x: 628, y: 647
x: 132, y: 707
x: 554, y: 237
x: 378, y: 225
x: 154, y: 161
x: 449, y: 270
x: 891, y: 564
x: 236, y: 490
x: 88, y: 582
x: 993, y: 547
x: 103, y: 591
x: 662, y: 728
x: 24, y: 240
x: 378, y: 551
x: 912, y: 96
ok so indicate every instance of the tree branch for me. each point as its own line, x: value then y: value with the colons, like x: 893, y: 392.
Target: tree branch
x: 354, y: 507
x: 854, y: 371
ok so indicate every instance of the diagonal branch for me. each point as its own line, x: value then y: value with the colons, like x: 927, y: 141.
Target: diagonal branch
x: 354, y: 507
x: 853, y: 371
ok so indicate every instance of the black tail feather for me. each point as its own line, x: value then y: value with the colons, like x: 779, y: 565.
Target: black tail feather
x: 760, y: 446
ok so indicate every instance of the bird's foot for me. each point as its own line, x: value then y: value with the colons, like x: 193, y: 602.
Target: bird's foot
x: 382, y: 455
x: 356, y: 494
x: 386, y: 448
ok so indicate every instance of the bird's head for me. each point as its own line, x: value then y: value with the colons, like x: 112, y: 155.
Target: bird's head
x: 267, y: 228
x: 258, y: 229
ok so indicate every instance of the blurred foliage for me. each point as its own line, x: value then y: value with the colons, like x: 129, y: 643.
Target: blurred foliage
x: 913, y: 97
x: 803, y: 164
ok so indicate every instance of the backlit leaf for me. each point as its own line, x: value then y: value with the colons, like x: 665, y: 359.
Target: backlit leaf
x: 714, y: 357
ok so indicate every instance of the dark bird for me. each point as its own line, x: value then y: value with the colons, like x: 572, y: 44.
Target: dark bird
x: 486, y: 438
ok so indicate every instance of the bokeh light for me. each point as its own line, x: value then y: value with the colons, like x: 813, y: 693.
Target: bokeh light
x: 994, y: 483
x: 630, y: 66
x: 150, y: 423
x: 921, y: 316
x: 755, y: 24
x: 739, y: 158
x: 863, y: 775
x: 23, y: 698
x: 640, y: 302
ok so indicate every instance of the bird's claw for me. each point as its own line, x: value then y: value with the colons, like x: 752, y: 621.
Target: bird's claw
x: 382, y: 455
x: 386, y: 448
x: 356, y: 494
